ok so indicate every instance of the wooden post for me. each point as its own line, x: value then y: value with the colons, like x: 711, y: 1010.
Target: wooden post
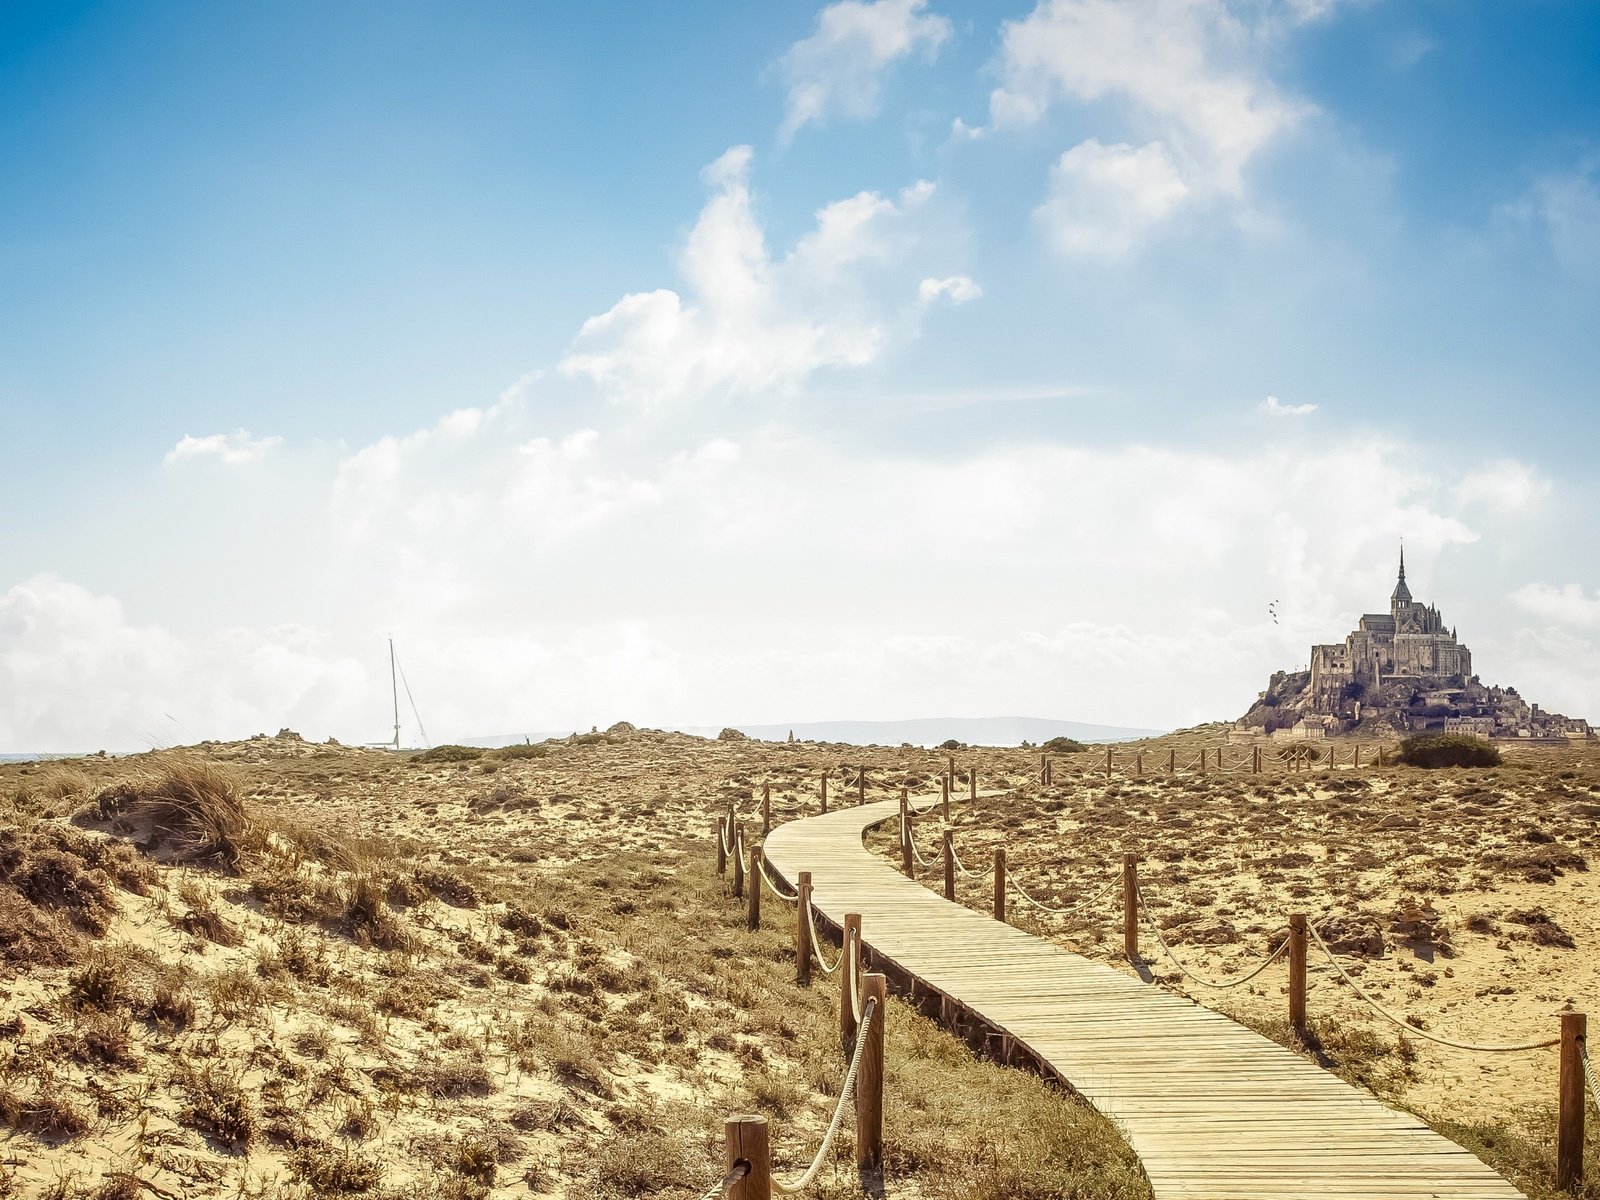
x: 848, y: 945
x: 949, y: 868
x: 1000, y: 883
x: 744, y: 1139
x: 869, y: 1077
x: 1380, y: 756
x: 944, y: 798
x: 1219, y: 759
x: 825, y: 791
x: 1108, y: 762
x: 738, y: 863
x: 950, y: 772
x: 861, y: 786
x: 802, y: 930
x: 1138, y: 764
x: 719, y: 836
x: 972, y: 783
x: 1130, y: 906
x: 1172, y: 762
x: 766, y: 809
x: 753, y: 918
x: 1203, y: 753
x: 1255, y: 760
x: 1297, y: 973
x: 1357, y: 763
x: 1569, y: 1120
x: 907, y: 863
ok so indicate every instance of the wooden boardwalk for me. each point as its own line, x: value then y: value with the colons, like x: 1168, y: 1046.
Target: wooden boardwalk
x: 1213, y: 1110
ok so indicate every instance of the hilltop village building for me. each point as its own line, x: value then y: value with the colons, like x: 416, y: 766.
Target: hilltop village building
x: 1399, y: 671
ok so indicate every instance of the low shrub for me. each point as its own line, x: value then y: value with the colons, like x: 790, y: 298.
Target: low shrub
x: 1430, y: 750
x: 449, y: 754
x: 1063, y: 745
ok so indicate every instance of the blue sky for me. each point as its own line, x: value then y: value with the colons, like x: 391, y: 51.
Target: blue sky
x: 549, y: 337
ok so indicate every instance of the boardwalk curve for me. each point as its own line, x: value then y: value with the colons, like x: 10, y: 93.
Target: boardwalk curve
x: 1214, y: 1111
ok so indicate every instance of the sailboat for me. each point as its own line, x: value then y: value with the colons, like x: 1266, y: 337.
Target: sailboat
x: 396, y: 678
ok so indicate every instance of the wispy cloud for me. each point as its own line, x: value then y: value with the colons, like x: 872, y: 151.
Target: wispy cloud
x: 232, y: 449
x: 1569, y: 605
x: 838, y: 70
x: 958, y: 289
x: 1274, y: 407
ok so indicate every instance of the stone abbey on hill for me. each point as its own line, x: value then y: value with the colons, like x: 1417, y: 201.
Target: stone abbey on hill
x: 1405, y: 671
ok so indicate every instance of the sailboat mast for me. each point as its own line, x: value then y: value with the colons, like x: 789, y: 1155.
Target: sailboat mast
x: 394, y: 688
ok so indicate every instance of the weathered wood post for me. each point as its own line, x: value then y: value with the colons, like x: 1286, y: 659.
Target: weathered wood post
x: 720, y: 838
x: 949, y: 867
x: 1138, y: 764
x: 907, y: 863
x: 972, y: 784
x: 753, y: 917
x: 1356, y: 762
x: 1255, y: 760
x: 869, y: 1077
x: 861, y: 786
x: 802, y: 929
x: 944, y: 797
x: 766, y: 809
x: 1203, y: 754
x: 1172, y: 762
x: 1108, y: 762
x: 1000, y: 883
x: 745, y: 1140
x: 1569, y: 1120
x: 1130, y: 906
x: 950, y: 772
x: 734, y: 838
x: 1297, y: 973
x: 849, y: 957
x: 825, y: 791
x: 1220, y: 767
x: 1380, y: 756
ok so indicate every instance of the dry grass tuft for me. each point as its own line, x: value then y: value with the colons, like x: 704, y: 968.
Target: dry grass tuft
x: 189, y: 812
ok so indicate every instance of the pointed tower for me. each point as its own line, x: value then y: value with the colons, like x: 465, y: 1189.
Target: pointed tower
x: 1402, y: 594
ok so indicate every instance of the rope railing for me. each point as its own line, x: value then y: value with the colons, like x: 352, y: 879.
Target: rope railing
x: 737, y: 1172
x: 955, y: 858
x: 1588, y: 1074
x: 766, y: 878
x: 1205, y: 981
x: 788, y: 1187
x: 816, y: 945
x: 1011, y: 879
x: 1407, y: 1026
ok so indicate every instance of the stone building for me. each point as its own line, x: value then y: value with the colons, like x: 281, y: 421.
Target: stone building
x: 1409, y: 641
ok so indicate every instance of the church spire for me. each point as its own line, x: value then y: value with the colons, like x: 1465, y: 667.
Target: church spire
x: 1402, y: 594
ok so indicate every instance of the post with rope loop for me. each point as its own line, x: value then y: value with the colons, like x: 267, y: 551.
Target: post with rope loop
x: 1297, y: 973
x: 802, y: 929
x: 999, y: 883
x: 1220, y: 767
x: 972, y: 783
x: 950, y: 773
x: 1569, y: 1122
x: 1380, y: 756
x: 1204, y: 754
x: 861, y: 786
x: 1138, y: 764
x: 1172, y: 762
x: 869, y: 1076
x: 1130, y: 906
x: 906, y: 864
x: 766, y: 809
x: 849, y: 956
x: 719, y: 835
x: 1333, y: 757
x: 735, y: 836
x: 1255, y: 760
x: 825, y: 791
x: 1356, y: 763
x: 745, y: 1140
x: 753, y: 917
x: 944, y: 798
x: 949, y: 868
x: 1108, y: 762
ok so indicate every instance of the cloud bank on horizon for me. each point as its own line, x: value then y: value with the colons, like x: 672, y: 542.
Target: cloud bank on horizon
x: 946, y: 398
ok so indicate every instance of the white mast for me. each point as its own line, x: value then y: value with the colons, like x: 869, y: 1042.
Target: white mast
x: 394, y: 688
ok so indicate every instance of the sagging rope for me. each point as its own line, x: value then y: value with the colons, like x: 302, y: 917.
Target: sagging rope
x: 739, y: 1170
x: 853, y: 975
x: 922, y: 812
x: 788, y: 897
x: 724, y: 828
x: 788, y: 1187
x: 905, y: 836
x: 1060, y: 912
x: 816, y: 946
x: 1486, y: 1048
x: 1588, y: 1074
x: 955, y: 858
x: 1204, y: 981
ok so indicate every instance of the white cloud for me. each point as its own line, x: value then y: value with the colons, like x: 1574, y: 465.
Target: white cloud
x: 1103, y: 198
x: 1506, y: 485
x: 1569, y: 605
x: 1190, y: 71
x: 958, y: 289
x: 750, y: 323
x: 1569, y: 204
x: 1274, y: 407
x: 838, y: 70
x: 232, y: 449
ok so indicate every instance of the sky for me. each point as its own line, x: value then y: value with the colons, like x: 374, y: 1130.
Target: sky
x: 714, y: 362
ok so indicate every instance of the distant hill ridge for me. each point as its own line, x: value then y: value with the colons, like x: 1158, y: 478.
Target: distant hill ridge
x: 921, y: 731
